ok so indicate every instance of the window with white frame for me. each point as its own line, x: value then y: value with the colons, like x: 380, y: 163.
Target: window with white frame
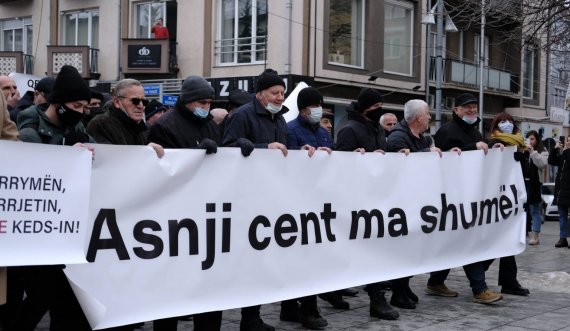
x: 530, y: 59
x: 242, y: 32
x: 81, y: 28
x: 477, y: 46
x: 17, y: 35
x: 346, y: 32
x: 398, y: 37
x: 147, y: 14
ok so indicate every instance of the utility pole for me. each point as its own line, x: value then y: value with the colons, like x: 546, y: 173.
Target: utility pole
x: 481, y: 65
x: 438, y: 64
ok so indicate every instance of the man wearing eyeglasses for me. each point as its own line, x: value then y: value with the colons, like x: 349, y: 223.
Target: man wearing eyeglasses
x: 123, y: 124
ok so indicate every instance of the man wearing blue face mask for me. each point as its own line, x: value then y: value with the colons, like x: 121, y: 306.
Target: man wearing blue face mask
x: 190, y: 124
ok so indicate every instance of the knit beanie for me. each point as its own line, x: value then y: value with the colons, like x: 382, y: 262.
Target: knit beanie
x: 309, y: 96
x: 69, y: 86
x: 367, y: 98
x: 267, y: 79
x: 195, y: 88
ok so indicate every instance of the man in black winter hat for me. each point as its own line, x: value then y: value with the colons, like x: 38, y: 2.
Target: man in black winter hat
x: 363, y: 133
x: 57, y: 123
x: 153, y: 112
x: 260, y: 121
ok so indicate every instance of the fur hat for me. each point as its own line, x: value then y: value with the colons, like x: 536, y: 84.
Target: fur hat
x: 69, y: 86
x: 309, y: 96
x: 367, y: 98
x: 195, y: 88
x: 267, y: 79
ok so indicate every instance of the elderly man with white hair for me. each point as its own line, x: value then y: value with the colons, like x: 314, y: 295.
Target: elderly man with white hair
x: 407, y: 136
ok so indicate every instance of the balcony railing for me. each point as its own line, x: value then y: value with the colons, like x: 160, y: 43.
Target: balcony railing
x: 83, y: 58
x: 149, y: 56
x: 467, y: 74
x: 16, y: 62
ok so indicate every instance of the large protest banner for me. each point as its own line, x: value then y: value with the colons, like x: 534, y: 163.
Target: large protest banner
x: 191, y: 232
x: 44, y: 196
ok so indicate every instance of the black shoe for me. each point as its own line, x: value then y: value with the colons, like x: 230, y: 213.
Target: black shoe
x: 381, y: 309
x: 254, y: 324
x: 311, y: 318
x: 515, y: 289
x: 335, y: 299
x: 411, y: 295
x: 400, y: 300
x: 349, y: 292
x: 563, y: 242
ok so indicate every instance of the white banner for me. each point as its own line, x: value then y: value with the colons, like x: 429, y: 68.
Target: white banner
x: 191, y: 232
x: 44, y: 196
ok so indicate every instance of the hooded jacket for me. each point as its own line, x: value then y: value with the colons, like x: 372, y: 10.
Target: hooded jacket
x: 254, y: 122
x: 402, y: 137
x: 180, y: 128
x: 360, y: 132
x: 458, y: 133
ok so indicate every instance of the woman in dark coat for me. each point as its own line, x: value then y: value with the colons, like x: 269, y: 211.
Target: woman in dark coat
x: 559, y: 157
x: 537, y: 157
x: 504, y: 131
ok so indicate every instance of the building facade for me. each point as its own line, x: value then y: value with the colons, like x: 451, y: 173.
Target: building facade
x: 338, y: 46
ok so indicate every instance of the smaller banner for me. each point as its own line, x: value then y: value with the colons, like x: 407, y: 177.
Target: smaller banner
x: 44, y: 199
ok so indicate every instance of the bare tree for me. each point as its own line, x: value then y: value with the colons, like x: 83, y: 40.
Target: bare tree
x: 541, y: 23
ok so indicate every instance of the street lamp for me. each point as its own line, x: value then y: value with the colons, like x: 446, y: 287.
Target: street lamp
x: 429, y: 19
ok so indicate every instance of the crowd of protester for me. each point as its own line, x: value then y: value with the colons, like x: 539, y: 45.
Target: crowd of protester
x: 64, y: 111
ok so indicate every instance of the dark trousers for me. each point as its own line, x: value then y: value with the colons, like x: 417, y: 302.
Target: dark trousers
x: 209, y: 321
x: 438, y: 277
x: 14, y: 296
x: 475, y: 272
x: 47, y: 288
x: 249, y: 313
x: 507, y: 270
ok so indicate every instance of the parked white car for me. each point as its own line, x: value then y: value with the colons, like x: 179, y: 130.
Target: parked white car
x: 549, y: 211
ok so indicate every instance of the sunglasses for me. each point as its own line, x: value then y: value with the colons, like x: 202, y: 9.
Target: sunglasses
x: 137, y: 101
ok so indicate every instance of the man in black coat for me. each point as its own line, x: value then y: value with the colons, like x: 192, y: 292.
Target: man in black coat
x: 363, y: 130
x: 363, y: 133
x: 462, y: 132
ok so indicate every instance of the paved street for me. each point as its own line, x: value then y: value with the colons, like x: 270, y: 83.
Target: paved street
x: 545, y: 270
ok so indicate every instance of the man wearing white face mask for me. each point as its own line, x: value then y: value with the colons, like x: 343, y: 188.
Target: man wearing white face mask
x: 306, y: 128
x: 261, y: 121
x: 462, y: 130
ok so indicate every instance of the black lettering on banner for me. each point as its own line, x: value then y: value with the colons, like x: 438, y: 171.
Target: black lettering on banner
x: 115, y: 242
x: 253, y: 241
x: 147, y: 238
x: 174, y: 228
x: 400, y: 222
x: 305, y: 219
x: 366, y: 216
x: 327, y: 215
x: 281, y: 229
x: 430, y: 218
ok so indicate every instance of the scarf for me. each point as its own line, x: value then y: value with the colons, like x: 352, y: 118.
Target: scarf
x: 510, y: 139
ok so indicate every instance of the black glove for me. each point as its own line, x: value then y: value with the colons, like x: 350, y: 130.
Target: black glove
x: 519, y: 156
x: 73, y: 137
x: 245, y: 145
x: 209, y: 145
